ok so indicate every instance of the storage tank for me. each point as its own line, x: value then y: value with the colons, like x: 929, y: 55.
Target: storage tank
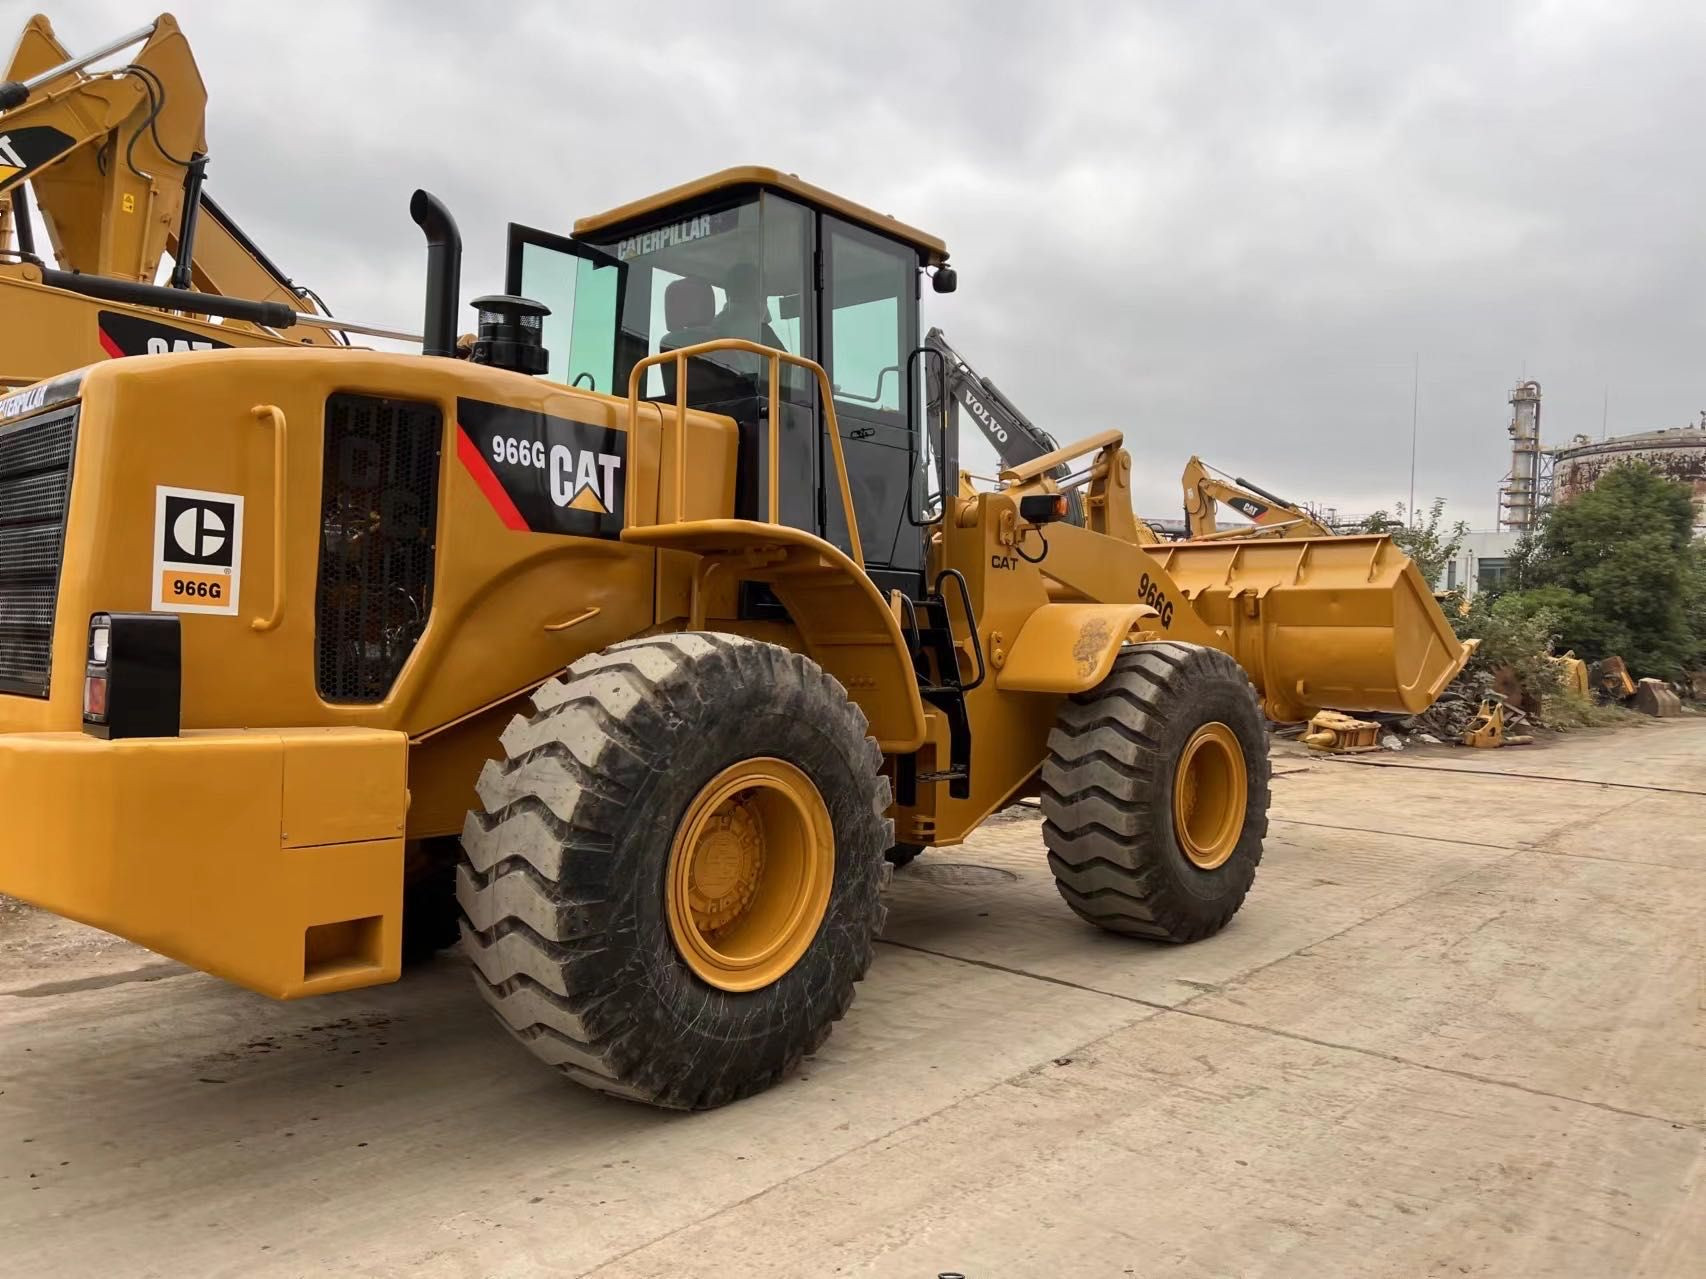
x: 1677, y: 454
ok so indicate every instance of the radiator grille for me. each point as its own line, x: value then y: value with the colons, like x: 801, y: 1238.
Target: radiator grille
x: 378, y: 528
x: 35, y: 484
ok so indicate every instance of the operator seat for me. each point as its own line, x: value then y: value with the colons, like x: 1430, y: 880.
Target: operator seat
x: 689, y: 312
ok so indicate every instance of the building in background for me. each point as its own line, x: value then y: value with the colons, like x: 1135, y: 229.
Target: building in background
x: 1482, y: 560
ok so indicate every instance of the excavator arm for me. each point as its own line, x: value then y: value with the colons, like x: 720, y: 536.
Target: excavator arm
x: 1205, y: 489
x: 114, y: 159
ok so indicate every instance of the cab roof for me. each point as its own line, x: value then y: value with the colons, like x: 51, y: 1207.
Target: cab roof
x: 749, y: 176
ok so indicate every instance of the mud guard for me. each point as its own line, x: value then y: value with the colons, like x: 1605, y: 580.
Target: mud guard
x: 1067, y: 648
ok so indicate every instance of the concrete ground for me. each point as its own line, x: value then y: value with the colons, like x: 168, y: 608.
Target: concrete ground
x: 1459, y: 1028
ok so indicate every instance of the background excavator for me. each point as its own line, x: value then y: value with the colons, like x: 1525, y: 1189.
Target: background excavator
x: 1017, y: 441
x: 625, y: 641
x: 116, y: 161
x: 1206, y: 489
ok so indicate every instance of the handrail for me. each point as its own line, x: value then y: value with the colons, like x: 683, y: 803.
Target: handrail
x: 274, y: 417
x: 776, y: 358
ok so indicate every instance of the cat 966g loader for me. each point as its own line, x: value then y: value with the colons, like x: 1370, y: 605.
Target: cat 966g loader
x: 653, y: 622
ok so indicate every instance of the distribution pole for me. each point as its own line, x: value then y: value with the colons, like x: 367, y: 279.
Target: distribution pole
x: 1415, y: 402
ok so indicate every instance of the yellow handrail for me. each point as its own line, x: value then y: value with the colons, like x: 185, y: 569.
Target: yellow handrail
x: 776, y: 358
x: 272, y: 415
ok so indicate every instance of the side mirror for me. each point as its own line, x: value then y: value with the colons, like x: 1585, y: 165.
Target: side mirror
x: 788, y: 306
x: 945, y: 280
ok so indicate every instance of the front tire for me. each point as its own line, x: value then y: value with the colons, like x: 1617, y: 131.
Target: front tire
x: 672, y: 887
x: 1155, y: 793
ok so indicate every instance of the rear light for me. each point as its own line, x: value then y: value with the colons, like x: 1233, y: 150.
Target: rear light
x: 95, y: 697
x: 131, y: 685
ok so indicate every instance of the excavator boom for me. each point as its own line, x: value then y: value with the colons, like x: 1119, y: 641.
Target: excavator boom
x: 115, y: 161
x: 1206, y: 488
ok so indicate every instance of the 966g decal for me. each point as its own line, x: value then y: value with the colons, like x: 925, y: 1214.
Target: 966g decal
x: 198, y: 550
x: 542, y: 473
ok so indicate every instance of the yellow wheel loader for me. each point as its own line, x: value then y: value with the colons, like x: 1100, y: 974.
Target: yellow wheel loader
x: 652, y: 620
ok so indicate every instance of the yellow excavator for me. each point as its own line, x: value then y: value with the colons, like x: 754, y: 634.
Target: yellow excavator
x: 117, y: 163
x: 627, y: 639
x: 1207, y: 489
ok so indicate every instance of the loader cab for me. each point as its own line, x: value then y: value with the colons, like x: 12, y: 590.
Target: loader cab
x: 759, y: 255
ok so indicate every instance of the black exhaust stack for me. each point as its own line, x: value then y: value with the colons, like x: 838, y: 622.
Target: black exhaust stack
x: 444, y: 272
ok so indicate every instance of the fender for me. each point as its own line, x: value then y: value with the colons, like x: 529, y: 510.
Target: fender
x: 846, y: 625
x: 1067, y: 648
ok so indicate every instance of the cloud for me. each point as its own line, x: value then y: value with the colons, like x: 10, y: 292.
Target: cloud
x: 1228, y: 228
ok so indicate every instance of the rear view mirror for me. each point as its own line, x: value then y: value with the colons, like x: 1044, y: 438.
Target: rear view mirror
x: 788, y: 306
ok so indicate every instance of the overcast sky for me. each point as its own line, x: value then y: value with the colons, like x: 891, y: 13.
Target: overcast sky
x: 1227, y: 228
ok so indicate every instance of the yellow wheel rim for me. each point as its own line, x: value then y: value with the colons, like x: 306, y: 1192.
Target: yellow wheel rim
x: 749, y: 874
x: 1210, y: 792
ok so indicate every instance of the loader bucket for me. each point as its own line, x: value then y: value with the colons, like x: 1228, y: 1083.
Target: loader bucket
x: 1340, y: 622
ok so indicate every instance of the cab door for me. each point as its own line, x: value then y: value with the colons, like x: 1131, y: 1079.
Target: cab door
x: 869, y: 323
x: 582, y: 286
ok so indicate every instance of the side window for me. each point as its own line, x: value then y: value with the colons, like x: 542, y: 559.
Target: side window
x: 592, y: 325
x: 787, y: 263
x: 581, y: 287
x: 869, y: 282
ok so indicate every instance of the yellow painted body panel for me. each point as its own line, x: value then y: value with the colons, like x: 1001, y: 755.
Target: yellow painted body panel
x: 188, y: 421
x: 221, y: 849
x: 1089, y: 635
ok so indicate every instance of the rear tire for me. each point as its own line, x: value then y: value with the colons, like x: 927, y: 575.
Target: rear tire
x: 576, y: 894
x: 1155, y: 793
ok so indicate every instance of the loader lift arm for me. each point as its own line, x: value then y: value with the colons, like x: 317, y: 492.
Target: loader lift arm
x: 1206, y: 488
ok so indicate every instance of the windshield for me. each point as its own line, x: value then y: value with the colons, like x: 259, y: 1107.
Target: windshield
x: 733, y: 272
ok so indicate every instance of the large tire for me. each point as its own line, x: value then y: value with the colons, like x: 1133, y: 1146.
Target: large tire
x: 1112, y: 793
x: 568, y: 880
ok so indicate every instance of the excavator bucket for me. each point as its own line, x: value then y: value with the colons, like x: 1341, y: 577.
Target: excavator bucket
x: 1342, y: 622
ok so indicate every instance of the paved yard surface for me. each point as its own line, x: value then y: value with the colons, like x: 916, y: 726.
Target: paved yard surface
x: 1459, y: 1028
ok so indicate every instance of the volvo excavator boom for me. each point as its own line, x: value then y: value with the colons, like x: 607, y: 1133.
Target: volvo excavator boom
x: 116, y: 161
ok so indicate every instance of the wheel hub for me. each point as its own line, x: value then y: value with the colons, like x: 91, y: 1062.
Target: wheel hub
x: 749, y: 875
x: 1211, y: 788
x: 727, y: 865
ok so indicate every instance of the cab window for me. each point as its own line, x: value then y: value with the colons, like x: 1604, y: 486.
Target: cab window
x: 732, y: 272
x: 870, y: 280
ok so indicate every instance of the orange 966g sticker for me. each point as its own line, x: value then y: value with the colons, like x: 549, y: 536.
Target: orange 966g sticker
x: 198, y: 550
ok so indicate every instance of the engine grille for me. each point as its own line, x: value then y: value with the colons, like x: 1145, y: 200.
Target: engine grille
x: 378, y: 529
x: 35, y: 486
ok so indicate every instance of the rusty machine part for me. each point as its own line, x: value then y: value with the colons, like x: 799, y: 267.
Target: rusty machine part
x: 1656, y: 698
x: 1611, y: 679
x: 1490, y: 727
x: 1335, y: 733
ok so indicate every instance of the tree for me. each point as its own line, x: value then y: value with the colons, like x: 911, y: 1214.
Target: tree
x: 1619, y: 571
x: 1423, y: 540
